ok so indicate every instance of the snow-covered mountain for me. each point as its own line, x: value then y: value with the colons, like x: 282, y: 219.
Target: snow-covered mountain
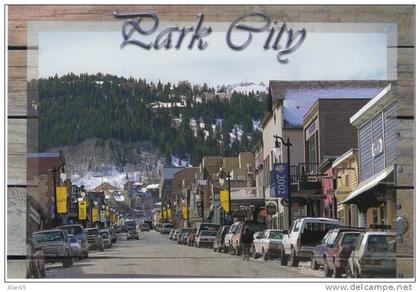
x: 244, y: 87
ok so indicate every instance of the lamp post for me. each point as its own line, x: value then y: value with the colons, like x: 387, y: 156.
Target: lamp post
x: 224, y: 175
x: 54, y: 170
x: 289, y: 193
x: 188, y: 207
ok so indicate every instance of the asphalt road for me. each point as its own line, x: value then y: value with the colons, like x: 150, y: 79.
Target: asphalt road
x: 155, y: 256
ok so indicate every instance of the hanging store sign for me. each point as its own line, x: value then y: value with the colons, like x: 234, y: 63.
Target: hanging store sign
x: 271, y: 208
x: 224, y: 200
x: 82, y: 210
x: 280, y: 180
x: 94, y: 214
x: 61, y: 200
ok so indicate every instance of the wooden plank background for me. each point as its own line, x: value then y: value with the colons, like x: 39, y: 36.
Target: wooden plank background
x: 19, y: 49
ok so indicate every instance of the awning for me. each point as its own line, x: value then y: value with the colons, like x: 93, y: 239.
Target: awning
x: 378, y: 180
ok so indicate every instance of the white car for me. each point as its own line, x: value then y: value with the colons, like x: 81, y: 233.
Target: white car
x: 229, y: 235
x: 267, y: 243
x: 373, y: 256
x: 305, y: 234
x: 206, y: 237
x: 75, y: 247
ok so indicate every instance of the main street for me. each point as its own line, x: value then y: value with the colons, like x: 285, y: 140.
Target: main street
x: 155, y: 256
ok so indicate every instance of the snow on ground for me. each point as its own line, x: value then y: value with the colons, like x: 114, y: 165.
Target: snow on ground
x: 92, y: 179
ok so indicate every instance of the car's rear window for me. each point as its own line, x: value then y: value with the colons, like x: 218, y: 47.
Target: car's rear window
x: 48, y: 236
x: 75, y: 230
x: 92, y: 231
x: 275, y: 235
x: 381, y: 243
x: 349, y: 239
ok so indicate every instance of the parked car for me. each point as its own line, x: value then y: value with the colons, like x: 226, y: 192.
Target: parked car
x: 106, y: 238
x: 80, y: 233
x: 267, y: 243
x: 182, y: 234
x: 176, y: 234
x: 236, y: 242
x: 75, y: 247
x: 35, y: 264
x: 191, y: 237
x: 94, y: 239
x: 206, y: 227
x: 219, y: 242
x: 144, y: 227
x: 373, y: 256
x: 228, y: 237
x: 166, y: 228
x: 184, y: 238
x: 206, y: 238
x: 132, y: 234
x: 305, y: 234
x: 333, y: 251
x: 55, y: 245
x: 171, y: 233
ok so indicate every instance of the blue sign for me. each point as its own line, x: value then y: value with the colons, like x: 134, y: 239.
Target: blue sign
x: 280, y: 180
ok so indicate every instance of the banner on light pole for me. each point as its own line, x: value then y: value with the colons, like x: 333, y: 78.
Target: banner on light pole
x: 280, y: 180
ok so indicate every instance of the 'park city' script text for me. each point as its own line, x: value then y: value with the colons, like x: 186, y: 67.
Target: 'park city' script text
x: 279, y: 38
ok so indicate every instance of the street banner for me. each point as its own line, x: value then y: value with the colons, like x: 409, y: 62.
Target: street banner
x: 184, y: 213
x: 280, y: 180
x: 94, y: 214
x: 61, y: 199
x: 169, y: 213
x: 224, y: 200
x: 82, y: 210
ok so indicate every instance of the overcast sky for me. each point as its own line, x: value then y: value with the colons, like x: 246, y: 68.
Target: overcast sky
x: 322, y: 56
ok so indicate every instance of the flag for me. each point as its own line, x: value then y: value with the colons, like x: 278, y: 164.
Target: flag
x: 184, y: 213
x: 94, y: 214
x: 61, y: 199
x: 224, y: 200
x: 82, y: 210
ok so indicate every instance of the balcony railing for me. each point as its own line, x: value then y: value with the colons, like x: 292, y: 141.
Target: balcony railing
x: 304, y: 172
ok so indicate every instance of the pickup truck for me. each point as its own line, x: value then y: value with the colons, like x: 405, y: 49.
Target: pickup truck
x: 305, y: 234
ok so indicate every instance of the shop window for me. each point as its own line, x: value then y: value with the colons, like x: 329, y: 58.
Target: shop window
x: 375, y: 215
x: 346, y: 180
x: 382, y: 214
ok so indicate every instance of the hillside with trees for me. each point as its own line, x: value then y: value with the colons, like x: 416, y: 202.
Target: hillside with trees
x: 73, y: 108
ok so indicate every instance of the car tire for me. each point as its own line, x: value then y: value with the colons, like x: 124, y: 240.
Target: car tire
x: 283, y: 257
x: 327, y: 271
x: 314, y: 264
x: 294, y: 261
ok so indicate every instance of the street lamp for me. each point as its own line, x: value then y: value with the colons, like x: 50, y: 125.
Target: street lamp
x: 289, y: 193
x: 222, y: 176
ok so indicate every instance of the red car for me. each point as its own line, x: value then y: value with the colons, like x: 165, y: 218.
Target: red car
x: 334, y: 251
